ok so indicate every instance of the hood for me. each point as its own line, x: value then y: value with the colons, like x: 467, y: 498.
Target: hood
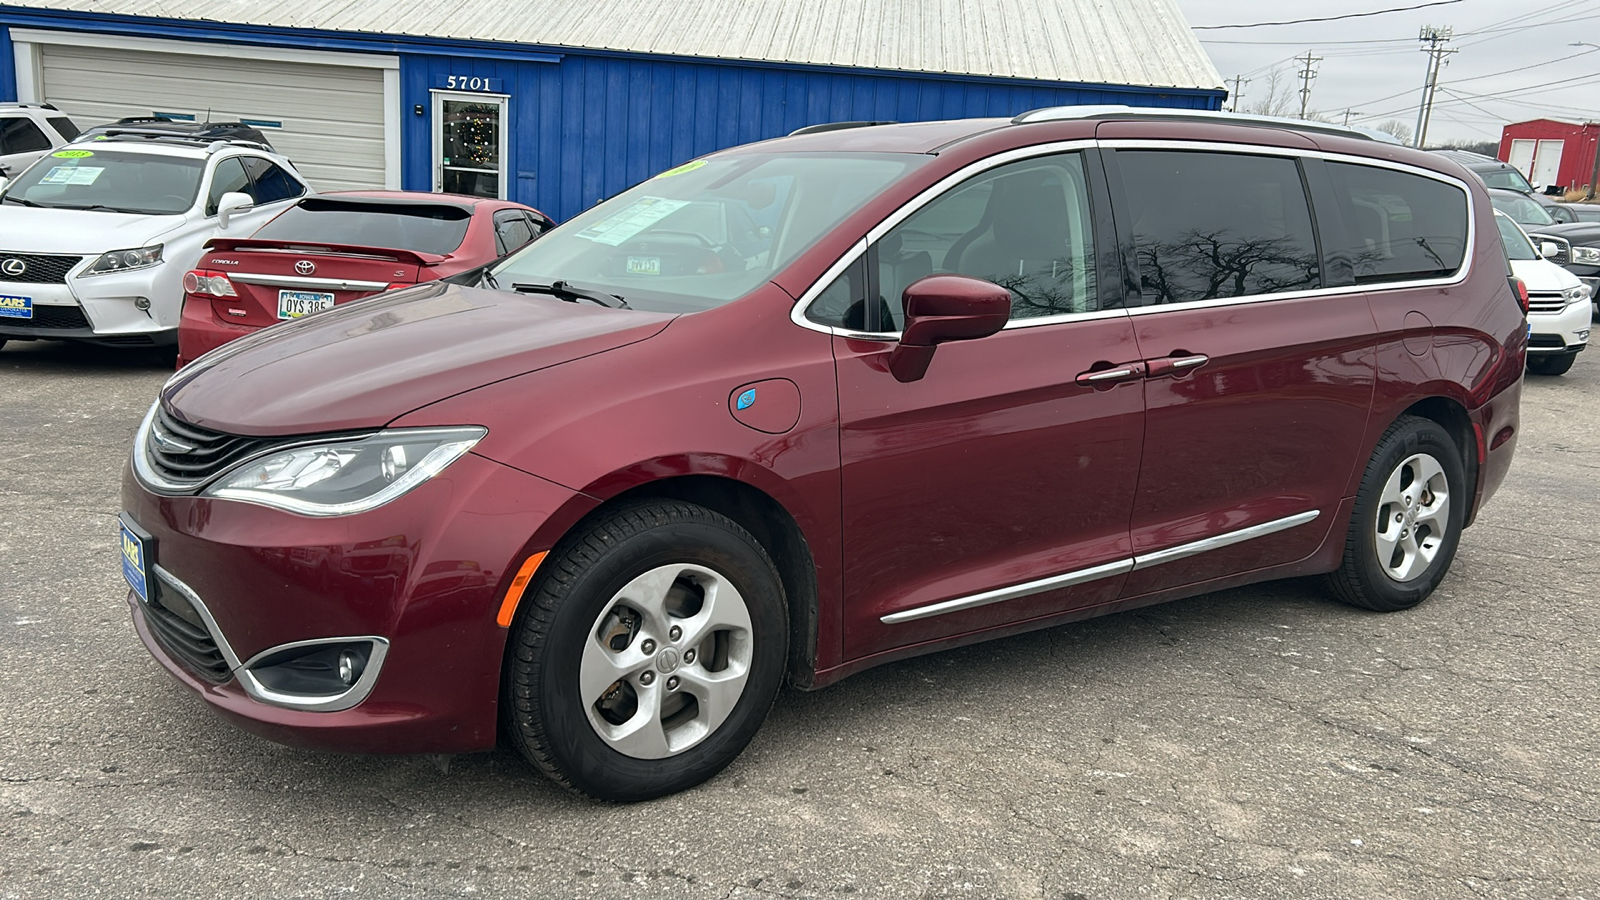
x: 364, y: 364
x: 1543, y: 276
x: 1584, y: 234
x: 79, y: 232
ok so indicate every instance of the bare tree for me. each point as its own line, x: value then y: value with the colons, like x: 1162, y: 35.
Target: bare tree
x: 1280, y: 99
x: 1398, y: 129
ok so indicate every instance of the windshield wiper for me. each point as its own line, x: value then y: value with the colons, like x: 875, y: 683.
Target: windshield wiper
x: 25, y: 202
x: 565, y: 291
x: 104, y: 207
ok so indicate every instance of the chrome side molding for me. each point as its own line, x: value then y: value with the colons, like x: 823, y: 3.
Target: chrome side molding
x: 1105, y: 570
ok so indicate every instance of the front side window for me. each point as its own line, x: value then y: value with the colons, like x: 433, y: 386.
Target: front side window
x: 1208, y: 226
x: 1398, y: 226
x: 110, y: 181
x: 64, y: 127
x: 20, y: 135
x: 707, y: 232
x: 510, y: 231
x: 1024, y: 226
x: 229, y: 178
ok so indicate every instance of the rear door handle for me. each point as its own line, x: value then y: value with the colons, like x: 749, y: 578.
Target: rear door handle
x: 1166, y: 365
x: 1124, y: 372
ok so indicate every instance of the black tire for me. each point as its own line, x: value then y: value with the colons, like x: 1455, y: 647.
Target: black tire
x: 1551, y: 363
x: 1363, y: 578
x: 575, y: 596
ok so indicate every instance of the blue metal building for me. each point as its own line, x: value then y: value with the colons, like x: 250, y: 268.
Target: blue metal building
x: 559, y: 103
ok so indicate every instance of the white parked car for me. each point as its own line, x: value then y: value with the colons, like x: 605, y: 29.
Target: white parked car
x: 96, y: 236
x: 1558, y: 303
x: 29, y: 131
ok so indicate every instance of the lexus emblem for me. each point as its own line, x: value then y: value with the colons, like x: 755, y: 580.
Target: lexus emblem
x: 305, y: 267
x: 13, y: 267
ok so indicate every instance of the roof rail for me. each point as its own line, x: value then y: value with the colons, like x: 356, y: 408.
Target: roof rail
x: 1061, y: 113
x: 835, y: 126
x: 211, y: 144
x: 12, y: 104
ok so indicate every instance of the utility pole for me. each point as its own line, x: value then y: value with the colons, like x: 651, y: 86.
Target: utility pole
x: 1238, y: 82
x: 1306, y: 74
x: 1348, y: 113
x: 1435, y: 38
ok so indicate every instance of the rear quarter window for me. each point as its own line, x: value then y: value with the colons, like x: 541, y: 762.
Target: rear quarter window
x: 1398, y: 226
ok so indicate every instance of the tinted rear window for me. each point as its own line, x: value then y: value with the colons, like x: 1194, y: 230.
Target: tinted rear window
x: 421, y: 227
x: 1214, y: 225
x: 1398, y: 226
x: 64, y: 127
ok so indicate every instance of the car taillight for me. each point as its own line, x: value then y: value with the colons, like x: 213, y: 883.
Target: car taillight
x: 1521, y: 291
x: 208, y: 283
x: 397, y: 285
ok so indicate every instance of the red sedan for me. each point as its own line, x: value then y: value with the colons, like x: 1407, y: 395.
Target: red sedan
x: 333, y: 248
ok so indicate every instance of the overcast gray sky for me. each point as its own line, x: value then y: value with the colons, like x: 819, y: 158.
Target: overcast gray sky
x: 1374, y: 65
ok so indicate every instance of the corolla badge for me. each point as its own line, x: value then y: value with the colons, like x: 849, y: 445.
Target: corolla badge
x: 13, y: 267
x: 746, y: 399
x: 305, y: 267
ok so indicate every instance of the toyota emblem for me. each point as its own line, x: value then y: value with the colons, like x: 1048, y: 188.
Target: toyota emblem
x: 13, y: 267
x: 305, y: 267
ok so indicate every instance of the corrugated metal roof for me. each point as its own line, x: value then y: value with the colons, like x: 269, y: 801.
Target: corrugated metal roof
x: 1135, y: 42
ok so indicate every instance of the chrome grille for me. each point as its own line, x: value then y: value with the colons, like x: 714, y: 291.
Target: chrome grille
x: 1546, y: 303
x: 189, y: 455
x: 183, y: 633
x: 36, y: 268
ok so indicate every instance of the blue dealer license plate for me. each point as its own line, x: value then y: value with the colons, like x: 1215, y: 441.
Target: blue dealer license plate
x: 13, y: 307
x: 135, y: 558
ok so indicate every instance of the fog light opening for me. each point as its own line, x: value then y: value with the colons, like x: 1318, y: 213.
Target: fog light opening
x: 313, y: 670
x: 141, y: 303
x: 350, y: 666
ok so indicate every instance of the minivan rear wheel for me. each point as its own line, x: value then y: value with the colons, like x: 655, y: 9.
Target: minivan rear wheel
x: 1407, y: 520
x: 647, y: 653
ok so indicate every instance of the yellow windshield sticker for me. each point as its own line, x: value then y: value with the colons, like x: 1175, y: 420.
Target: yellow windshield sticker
x: 72, y: 154
x: 686, y: 167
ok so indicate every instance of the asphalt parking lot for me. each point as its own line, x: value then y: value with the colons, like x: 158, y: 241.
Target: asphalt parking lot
x: 1265, y: 742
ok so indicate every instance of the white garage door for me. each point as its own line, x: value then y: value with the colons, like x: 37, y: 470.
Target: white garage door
x: 328, y: 118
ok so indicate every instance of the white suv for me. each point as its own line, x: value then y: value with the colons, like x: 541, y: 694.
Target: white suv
x: 28, y: 131
x: 95, y: 237
x: 1558, y: 303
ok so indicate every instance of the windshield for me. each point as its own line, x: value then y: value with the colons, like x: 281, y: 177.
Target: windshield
x: 1522, y: 210
x: 1516, y: 243
x: 424, y: 228
x: 110, y: 181
x: 708, y: 232
x: 1508, y: 178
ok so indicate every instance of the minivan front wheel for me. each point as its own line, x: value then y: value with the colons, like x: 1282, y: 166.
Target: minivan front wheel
x: 1407, y: 520
x: 648, y: 652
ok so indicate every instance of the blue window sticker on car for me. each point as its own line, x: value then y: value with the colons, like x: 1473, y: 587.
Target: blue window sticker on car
x: 746, y: 399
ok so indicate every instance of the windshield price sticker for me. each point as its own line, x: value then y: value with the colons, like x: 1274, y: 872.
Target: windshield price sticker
x: 72, y: 154
x: 467, y: 83
x: 636, y: 217
x: 72, y: 175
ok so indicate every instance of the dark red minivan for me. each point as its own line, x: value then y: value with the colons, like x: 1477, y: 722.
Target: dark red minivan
x: 802, y: 407
x: 332, y: 248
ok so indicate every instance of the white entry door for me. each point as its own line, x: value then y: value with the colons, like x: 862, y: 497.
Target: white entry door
x: 1547, y: 163
x: 469, y: 144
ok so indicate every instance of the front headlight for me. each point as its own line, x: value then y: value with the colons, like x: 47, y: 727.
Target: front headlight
x: 1574, y: 294
x: 122, y: 260
x: 1586, y: 255
x: 345, y: 477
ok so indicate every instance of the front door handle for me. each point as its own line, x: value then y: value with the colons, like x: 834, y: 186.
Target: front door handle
x: 1124, y: 372
x: 1167, y: 365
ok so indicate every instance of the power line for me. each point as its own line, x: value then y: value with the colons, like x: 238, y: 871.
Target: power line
x: 1359, y: 15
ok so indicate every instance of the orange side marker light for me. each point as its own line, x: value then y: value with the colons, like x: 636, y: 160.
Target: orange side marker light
x: 508, y: 607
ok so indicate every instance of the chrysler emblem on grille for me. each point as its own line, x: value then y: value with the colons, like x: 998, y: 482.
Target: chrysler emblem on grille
x: 170, y: 444
x: 13, y: 267
x: 305, y: 267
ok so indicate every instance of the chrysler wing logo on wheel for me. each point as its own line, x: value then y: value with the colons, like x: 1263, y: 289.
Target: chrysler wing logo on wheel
x: 305, y: 267
x: 13, y: 267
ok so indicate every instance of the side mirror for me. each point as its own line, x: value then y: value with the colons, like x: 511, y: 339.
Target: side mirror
x: 4, y: 181
x: 231, y: 203
x: 942, y: 308
x: 1549, y: 249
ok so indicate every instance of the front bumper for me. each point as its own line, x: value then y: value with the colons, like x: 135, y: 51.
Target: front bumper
x: 1566, y: 331
x: 102, y: 309
x: 423, y: 574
